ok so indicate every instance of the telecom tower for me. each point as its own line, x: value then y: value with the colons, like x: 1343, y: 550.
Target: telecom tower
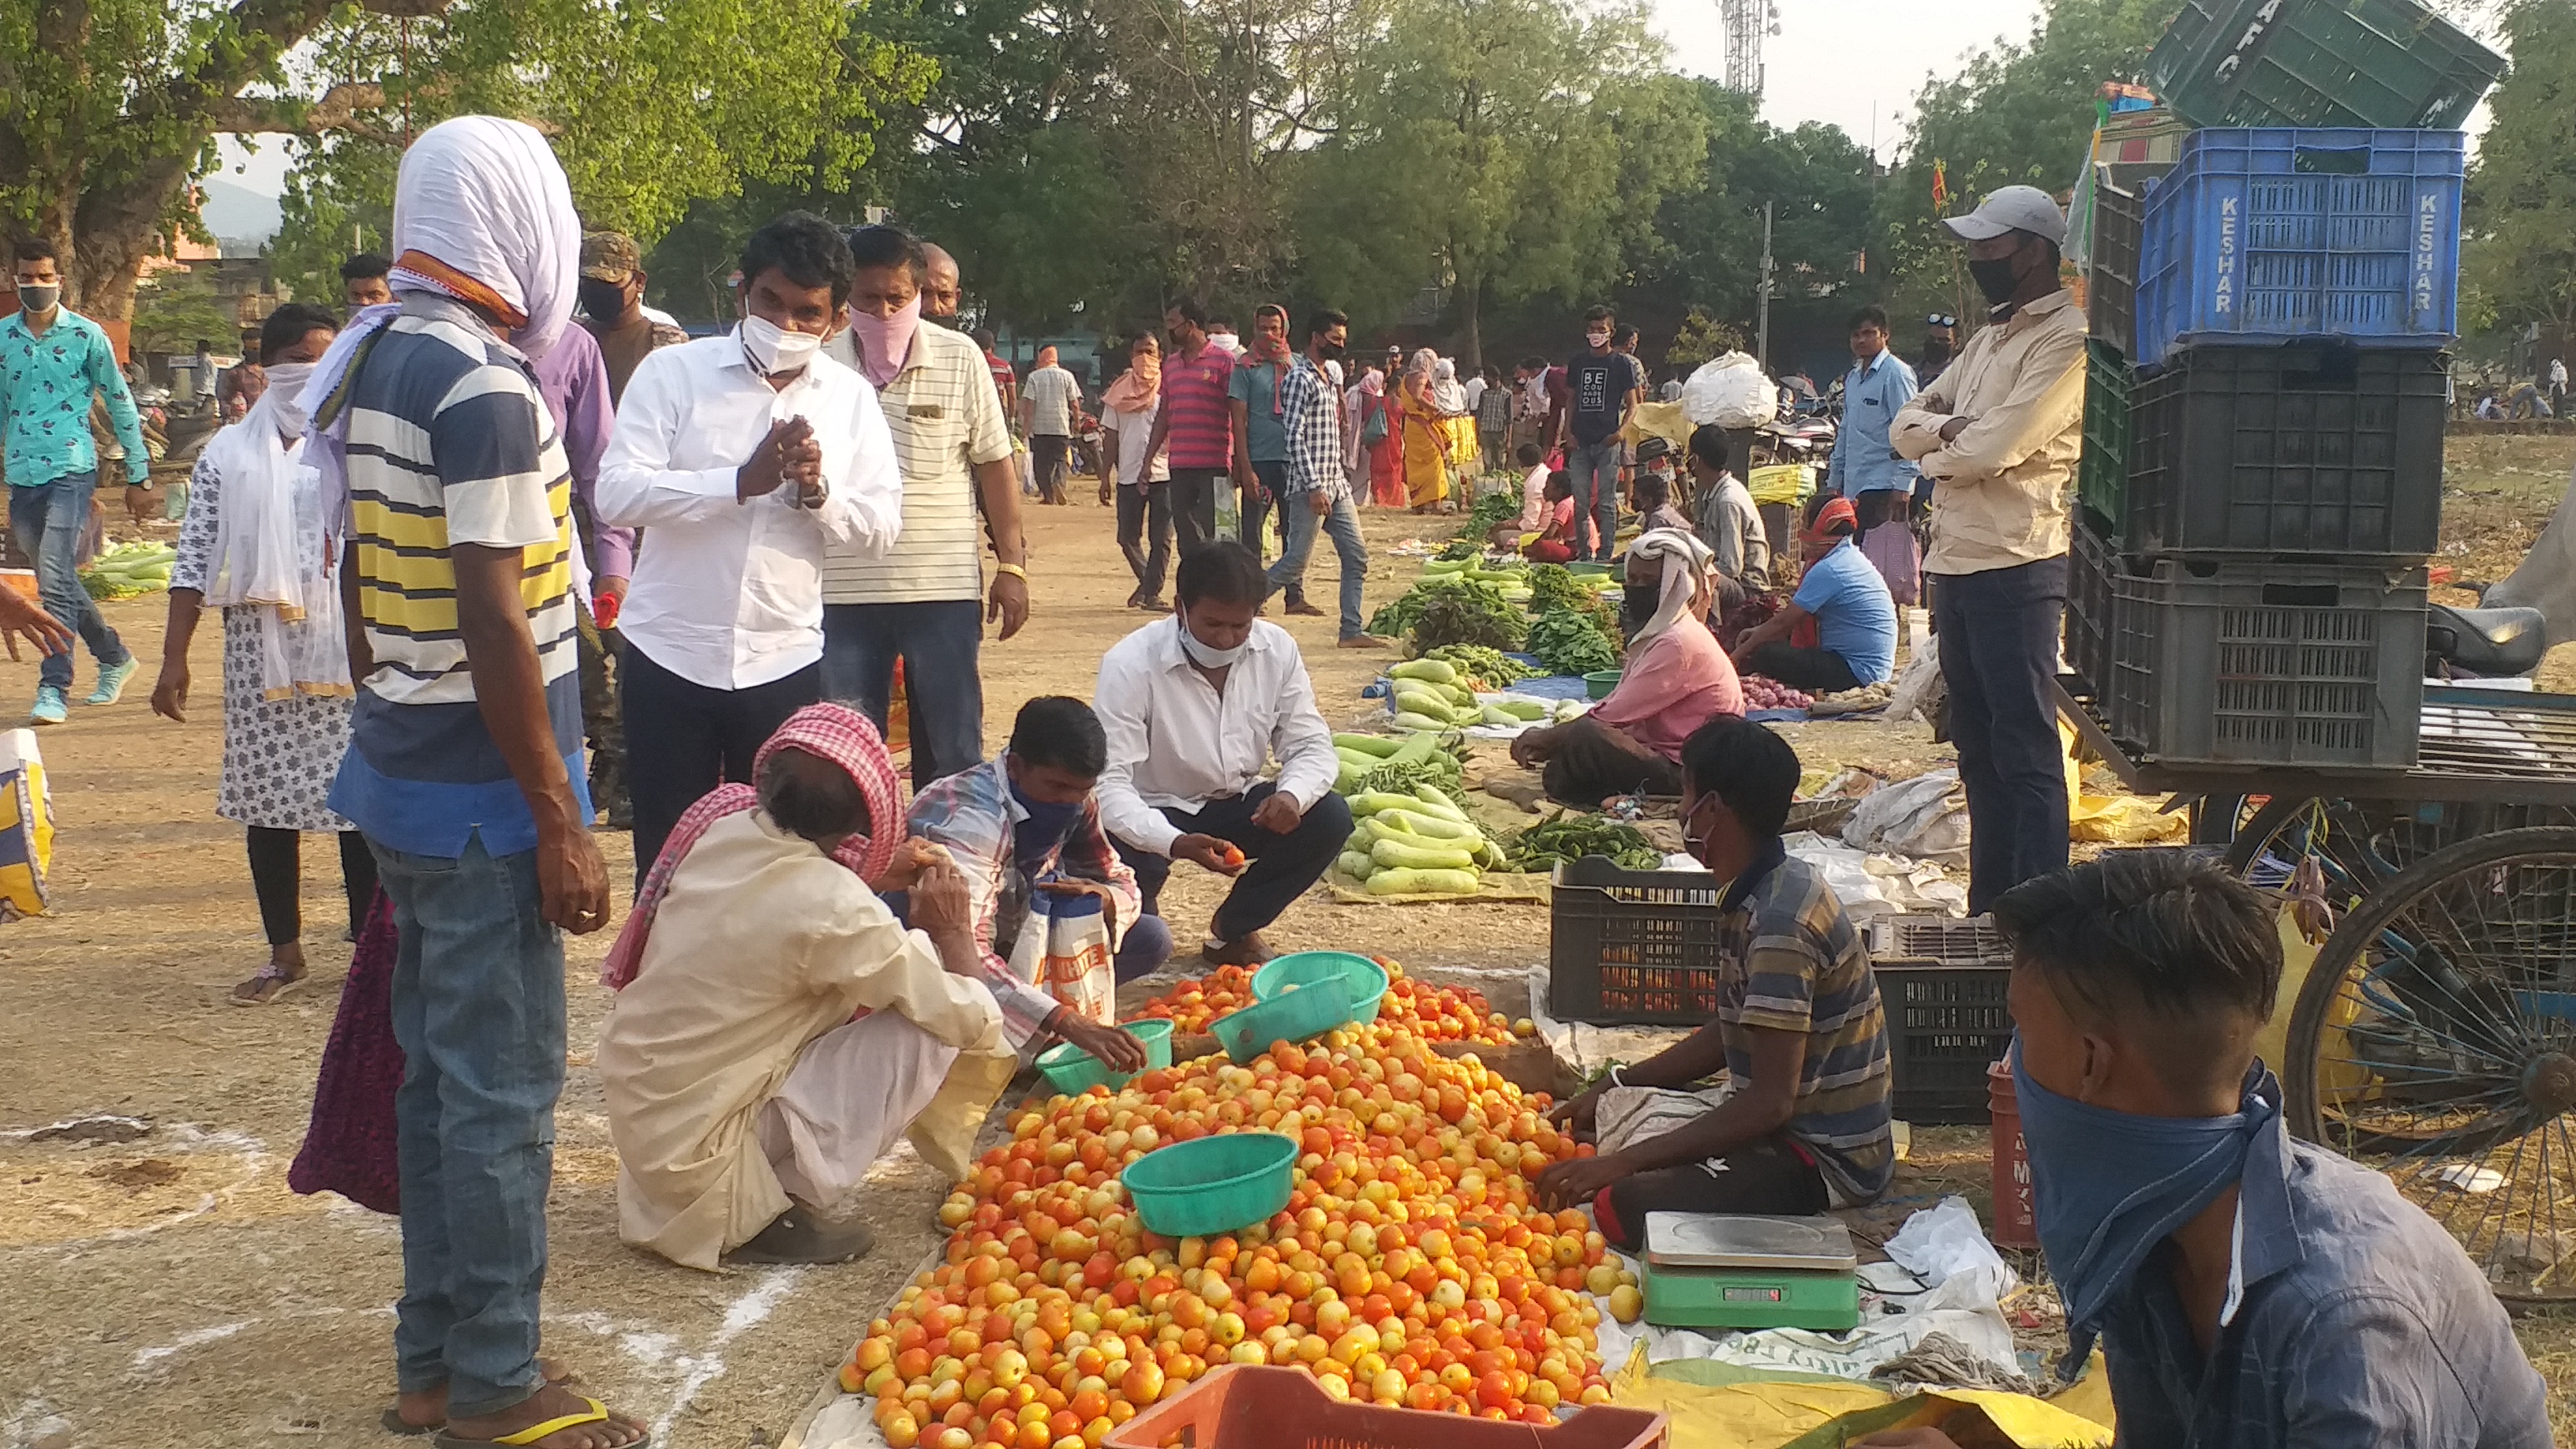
x: 1747, y: 21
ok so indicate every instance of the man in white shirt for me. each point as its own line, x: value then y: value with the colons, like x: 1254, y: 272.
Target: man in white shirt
x: 744, y: 455
x: 1050, y: 404
x: 924, y: 601
x: 1195, y: 707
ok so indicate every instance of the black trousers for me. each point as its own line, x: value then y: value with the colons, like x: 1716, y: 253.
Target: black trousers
x: 1817, y: 671
x: 1999, y: 633
x: 1141, y: 511
x: 1282, y: 867
x: 1049, y: 455
x: 276, y: 879
x: 1593, y: 764
x: 684, y: 739
x: 1193, y: 493
x: 1766, y: 1178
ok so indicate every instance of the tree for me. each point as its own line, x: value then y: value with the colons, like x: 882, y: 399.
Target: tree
x: 176, y: 309
x: 108, y: 107
x: 2519, y: 211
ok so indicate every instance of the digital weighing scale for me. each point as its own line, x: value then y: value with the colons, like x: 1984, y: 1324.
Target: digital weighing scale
x: 1714, y: 1270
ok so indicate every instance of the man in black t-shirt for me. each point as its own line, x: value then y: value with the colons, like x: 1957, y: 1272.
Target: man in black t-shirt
x: 1601, y: 387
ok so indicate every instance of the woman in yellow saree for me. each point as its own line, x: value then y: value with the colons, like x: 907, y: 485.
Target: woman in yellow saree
x: 1425, y: 433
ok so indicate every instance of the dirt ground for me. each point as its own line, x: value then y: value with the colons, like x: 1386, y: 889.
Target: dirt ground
x: 168, y: 1290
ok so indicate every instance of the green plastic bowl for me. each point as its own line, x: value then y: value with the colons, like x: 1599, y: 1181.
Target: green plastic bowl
x: 1300, y: 1015
x: 1592, y: 570
x: 1599, y: 683
x: 1212, y: 1185
x: 1071, y: 1070
x: 1363, y: 978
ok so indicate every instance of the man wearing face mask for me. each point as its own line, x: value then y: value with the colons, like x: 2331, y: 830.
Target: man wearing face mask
x: 1196, y: 707
x: 925, y: 601
x: 744, y: 456
x: 1602, y: 386
x: 1998, y: 436
x: 2248, y: 1289
x: 1315, y: 494
x: 52, y: 362
x: 612, y: 307
x: 1195, y: 422
x: 1676, y: 680
x: 1803, y: 1123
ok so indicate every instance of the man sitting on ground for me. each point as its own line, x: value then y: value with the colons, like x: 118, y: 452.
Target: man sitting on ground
x: 1855, y: 617
x: 1803, y: 1122
x: 2248, y: 1289
x: 743, y: 1099
x: 1028, y: 822
x: 1729, y: 523
x: 1195, y: 708
x: 1512, y: 532
x: 1676, y: 679
x: 1652, y: 492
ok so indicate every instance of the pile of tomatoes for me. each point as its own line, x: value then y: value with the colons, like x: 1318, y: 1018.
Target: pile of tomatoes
x: 1434, y: 1013
x: 1409, y: 1267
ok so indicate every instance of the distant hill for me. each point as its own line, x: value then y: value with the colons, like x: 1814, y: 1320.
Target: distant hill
x: 242, y: 219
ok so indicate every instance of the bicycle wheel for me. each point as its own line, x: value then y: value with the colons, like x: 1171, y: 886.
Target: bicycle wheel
x: 2435, y: 1038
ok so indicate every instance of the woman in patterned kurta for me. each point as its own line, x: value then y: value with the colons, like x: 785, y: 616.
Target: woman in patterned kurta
x: 286, y: 679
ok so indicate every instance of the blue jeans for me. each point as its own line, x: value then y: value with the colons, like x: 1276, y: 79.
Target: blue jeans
x: 1999, y: 634
x: 48, y: 520
x: 1147, y: 947
x: 1297, y: 517
x: 478, y: 1009
x: 1594, y: 469
x: 938, y: 643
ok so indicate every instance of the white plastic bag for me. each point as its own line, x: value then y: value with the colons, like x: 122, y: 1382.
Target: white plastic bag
x: 1731, y: 391
x: 1925, y: 817
x: 1063, y: 949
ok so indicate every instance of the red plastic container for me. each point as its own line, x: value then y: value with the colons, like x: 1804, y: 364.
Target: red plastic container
x: 1244, y: 1406
x: 2016, y: 1222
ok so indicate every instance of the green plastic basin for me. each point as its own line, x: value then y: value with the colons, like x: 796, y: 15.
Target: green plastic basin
x: 1300, y: 1015
x: 1588, y: 570
x: 1600, y: 682
x: 1363, y: 978
x: 1212, y: 1185
x: 1071, y: 1070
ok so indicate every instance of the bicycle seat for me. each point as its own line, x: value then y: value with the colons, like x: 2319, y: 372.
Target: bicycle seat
x: 2487, y: 643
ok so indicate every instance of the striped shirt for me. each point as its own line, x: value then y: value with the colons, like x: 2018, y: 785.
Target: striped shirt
x: 947, y: 420
x: 448, y: 444
x: 1314, y: 431
x: 1796, y: 963
x: 1197, y: 393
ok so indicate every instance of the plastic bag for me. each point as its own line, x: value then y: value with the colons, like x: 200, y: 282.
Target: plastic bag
x: 1925, y: 817
x: 1731, y: 391
x: 1063, y: 949
x: 26, y: 826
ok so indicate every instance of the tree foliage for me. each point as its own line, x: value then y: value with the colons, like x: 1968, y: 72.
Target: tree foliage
x: 2519, y: 212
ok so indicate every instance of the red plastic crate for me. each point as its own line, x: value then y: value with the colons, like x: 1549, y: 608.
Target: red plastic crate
x: 1244, y: 1406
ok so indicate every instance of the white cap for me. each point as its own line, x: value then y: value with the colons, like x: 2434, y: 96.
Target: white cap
x: 2011, y: 208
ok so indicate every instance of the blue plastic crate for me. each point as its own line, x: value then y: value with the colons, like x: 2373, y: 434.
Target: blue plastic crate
x: 2271, y: 235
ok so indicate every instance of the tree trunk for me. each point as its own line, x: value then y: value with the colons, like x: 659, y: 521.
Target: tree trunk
x: 1471, y: 353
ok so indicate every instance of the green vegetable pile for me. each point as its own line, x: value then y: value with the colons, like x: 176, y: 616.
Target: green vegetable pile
x: 1487, y: 511
x: 1562, y: 839
x: 1416, y: 842
x: 1460, y: 548
x: 1430, y: 695
x: 129, y: 569
x: 1377, y: 762
x: 1554, y: 586
x: 1486, y: 593
x: 1482, y: 668
x: 1469, y: 613
x: 1571, y: 643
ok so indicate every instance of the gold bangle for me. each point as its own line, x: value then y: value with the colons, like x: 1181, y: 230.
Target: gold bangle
x: 1014, y: 570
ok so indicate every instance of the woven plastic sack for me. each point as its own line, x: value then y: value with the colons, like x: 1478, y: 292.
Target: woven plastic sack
x: 1731, y: 391
x: 26, y: 827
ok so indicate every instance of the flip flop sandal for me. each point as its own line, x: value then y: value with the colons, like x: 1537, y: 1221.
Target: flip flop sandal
x: 395, y: 1423
x: 597, y: 1413
x: 266, y: 986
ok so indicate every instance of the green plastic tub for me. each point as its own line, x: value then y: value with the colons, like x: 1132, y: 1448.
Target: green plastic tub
x: 1212, y: 1185
x: 1588, y: 570
x: 1300, y: 1015
x: 1599, y: 683
x: 1071, y: 1070
x: 1363, y: 978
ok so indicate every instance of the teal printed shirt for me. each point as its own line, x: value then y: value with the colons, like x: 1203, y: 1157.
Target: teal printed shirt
x: 45, y: 388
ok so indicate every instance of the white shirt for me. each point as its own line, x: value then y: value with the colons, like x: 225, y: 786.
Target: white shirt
x: 1134, y: 431
x: 1475, y: 390
x: 729, y: 594
x: 1174, y: 742
x: 1054, y: 399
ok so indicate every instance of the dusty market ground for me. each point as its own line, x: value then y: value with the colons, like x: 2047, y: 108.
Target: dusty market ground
x: 170, y: 1290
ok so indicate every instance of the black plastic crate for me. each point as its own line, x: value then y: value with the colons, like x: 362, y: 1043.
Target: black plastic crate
x: 2268, y: 663
x: 2111, y: 279
x: 1927, y: 940
x: 2320, y: 448
x: 1945, y: 1026
x: 1633, y: 947
x: 2102, y: 469
x: 2090, y: 564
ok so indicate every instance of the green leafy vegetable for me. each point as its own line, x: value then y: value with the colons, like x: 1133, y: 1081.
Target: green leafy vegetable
x: 1462, y: 548
x: 1554, y: 586
x: 1487, y: 511
x: 1466, y: 611
x: 1571, y: 643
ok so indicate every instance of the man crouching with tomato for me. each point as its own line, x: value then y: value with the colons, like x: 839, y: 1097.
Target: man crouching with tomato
x: 1801, y: 1122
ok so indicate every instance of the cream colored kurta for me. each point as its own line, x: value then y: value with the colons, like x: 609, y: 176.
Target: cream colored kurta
x: 762, y: 945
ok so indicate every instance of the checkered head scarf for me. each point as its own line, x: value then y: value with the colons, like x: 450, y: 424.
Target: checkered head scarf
x: 828, y: 731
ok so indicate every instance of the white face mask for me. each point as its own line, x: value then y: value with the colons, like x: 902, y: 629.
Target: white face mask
x: 1207, y: 656
x: 285, y: 397
x: 773, y: 349
x: 1597, y: 339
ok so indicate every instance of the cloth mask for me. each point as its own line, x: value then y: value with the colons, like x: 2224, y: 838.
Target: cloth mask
x: 287, y: 380
x: 884, y: 342
x: 1935, y: 351
x: 1207, y: 656
x: 1047, y: 826
x: 1598, y: 340
x: 773, y: 349
x: 2108, y: 1186
x: 37, y: 300
x: 1995, y: 277
x: 602, y: 301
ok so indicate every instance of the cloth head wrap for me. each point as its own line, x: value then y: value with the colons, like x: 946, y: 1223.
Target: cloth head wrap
x: 828, y: 731
x: 1686, y: 561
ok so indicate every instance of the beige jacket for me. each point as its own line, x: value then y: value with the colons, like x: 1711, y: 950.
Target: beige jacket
x: 763, y: 944
x: 1999, y: 498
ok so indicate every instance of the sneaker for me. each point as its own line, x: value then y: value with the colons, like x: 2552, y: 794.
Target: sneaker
x: 111, y: 681
x: 51, y: 708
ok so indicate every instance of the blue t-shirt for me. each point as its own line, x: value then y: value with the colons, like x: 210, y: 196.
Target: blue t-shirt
x: 1855, y: 615
x: 1260, y: 387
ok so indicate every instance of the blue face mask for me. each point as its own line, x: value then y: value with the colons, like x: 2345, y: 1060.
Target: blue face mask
x: 1045, y: 829
x: 2108, y: 1186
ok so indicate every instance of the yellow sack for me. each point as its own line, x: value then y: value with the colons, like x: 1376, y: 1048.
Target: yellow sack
x: 1664, y: 420
x: 1805, y: 1411
x: 2113, y: 819
x: 944, y: 1133
x: 1788, y: 483
x: 26, y: 827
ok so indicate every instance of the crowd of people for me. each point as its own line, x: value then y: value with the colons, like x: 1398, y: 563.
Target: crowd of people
x: 486, y: 572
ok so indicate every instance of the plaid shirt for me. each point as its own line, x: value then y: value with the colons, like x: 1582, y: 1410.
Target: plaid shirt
x: 1312, y: 416
x: 973, y: 813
